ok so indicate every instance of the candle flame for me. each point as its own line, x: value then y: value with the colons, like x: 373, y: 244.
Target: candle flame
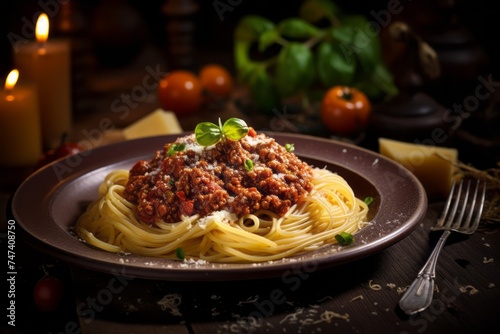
x: 11, y: 80
x: 42, y: 28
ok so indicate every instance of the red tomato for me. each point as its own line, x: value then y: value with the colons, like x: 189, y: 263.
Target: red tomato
x: 48, y: 293
x: 69, y: 148
x: 345, y: 110
x: 64, y: 150
x: 216, y: 80
x: 180, y: 91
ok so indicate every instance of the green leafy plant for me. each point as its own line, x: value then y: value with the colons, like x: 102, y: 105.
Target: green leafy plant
x: 321, y: 47
x: 208, y: 133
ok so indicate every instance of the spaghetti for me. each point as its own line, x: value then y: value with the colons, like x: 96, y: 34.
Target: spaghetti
x: 268, y: 222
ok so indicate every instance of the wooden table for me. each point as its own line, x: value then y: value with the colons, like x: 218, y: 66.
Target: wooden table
x: 359, y: 297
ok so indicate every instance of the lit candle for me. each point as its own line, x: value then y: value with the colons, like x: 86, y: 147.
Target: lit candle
x: 47, y: 64
x: 20, y: 135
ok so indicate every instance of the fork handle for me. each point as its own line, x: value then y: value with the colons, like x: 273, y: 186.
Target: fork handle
x: 419, y: 294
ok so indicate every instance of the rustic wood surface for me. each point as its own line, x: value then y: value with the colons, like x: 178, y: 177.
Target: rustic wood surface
x: 359, y: 297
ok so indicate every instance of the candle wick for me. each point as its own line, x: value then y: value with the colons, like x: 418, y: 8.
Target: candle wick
x: 8, y: 95
x: 41, y: 48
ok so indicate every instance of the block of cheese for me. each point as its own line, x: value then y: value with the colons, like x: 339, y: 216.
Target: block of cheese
x: 156, y: 123
x: 433, y: 166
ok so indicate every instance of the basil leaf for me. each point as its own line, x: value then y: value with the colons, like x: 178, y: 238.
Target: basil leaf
x: 295, y: 68
x: 382, y: 78
x: 250, y: 27
x: 315, y: 10
x: 344, y: 238
x: 242, y: 61
x: 297, y: 29
x: 207, y: 133
x: 268, y: 38
x: 368, y: 200
x: 263, y: 90
x: 333, y: 67
x: 343, y: 34
x: 235, y: 128
x: 366, y: 45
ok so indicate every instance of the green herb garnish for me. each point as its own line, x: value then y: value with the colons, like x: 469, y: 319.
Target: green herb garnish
x: 179, y: 252
x: 344, y: 238
x: 368, y: 200
x: 248, y: 165
x: 289, y: 147
x: 207, y: 133
x: 176, y: 148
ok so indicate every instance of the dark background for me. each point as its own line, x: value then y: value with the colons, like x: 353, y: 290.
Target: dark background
x: 478, y: 16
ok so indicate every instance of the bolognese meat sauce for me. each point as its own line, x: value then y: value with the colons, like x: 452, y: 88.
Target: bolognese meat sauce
x: 188, y: 179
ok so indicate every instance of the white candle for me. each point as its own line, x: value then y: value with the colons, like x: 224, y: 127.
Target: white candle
x: 47, y: 64
x: 20, y: 135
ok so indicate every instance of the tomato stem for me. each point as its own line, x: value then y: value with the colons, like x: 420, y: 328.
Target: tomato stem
x: 346, y: 93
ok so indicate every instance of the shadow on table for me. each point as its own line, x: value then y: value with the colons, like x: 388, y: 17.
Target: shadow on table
x: 122, y: 299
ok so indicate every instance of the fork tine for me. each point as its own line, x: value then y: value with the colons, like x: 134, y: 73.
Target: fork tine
x: 479, y: 211
x: 451, y: 217
x: 458, y: 221
x: 441, y: 219
x: 466, y: 224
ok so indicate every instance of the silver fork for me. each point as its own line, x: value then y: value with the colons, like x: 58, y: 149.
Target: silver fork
x: 419, y: 295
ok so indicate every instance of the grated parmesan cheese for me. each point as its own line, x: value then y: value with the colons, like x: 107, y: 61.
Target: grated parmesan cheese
x: 357, y: 297
x: 327, y: 316
x: 375, y: 287
x: 471, y: 290
x: 171, y: 303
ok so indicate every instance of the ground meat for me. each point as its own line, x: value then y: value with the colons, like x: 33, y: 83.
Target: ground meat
x: 201, y: 180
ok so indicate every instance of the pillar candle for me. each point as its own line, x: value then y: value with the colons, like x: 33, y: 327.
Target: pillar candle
x: 47, y: 64
x: 20, y: 135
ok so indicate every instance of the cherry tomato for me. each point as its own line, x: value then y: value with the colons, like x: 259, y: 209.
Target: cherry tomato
x: 68, y: 148
x: 345, y: 110
x: 180, y: 91
x: 216, y: 80
x: 65, y: 149
x: 48, y: 293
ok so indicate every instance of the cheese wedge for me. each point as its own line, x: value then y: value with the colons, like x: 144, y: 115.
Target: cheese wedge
x: 433, y: 166
x: 158, y: 122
